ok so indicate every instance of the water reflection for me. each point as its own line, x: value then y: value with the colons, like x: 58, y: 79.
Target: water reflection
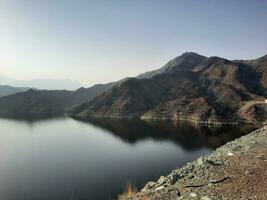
x: 59, y: 157
x: 187, y: 135
x: 32, y: 119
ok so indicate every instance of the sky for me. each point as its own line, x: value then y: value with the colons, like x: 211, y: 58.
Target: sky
x: 101, y: 41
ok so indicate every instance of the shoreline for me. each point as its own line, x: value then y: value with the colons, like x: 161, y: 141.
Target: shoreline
x: 194, y: 120
x: 223, y: 174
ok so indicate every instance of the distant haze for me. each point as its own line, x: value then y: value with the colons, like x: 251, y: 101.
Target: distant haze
x: 49, y: 84
x: 99, y: 41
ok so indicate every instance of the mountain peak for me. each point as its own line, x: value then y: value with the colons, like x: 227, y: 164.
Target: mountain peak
x: 189, y: 53
x: 186, y: 56
x: 185, y: 62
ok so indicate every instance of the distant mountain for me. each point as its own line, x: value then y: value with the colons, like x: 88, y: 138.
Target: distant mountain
x: 48, y: 84
x: 189, y: 87
x: 6, y: 90
x: 49, y: 101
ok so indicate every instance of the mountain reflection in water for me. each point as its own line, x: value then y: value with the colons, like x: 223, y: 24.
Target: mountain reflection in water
x: 57, y: 158
x: 189, y: 136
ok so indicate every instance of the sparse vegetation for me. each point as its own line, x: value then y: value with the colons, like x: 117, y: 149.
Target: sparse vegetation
x: 130, y: 191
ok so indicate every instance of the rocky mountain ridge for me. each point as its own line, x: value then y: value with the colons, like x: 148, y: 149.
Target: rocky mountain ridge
x: 189, y: 87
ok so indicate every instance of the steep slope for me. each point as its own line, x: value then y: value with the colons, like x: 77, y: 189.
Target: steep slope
x: 189, y: 87
x: 6, y: 90
x: 260, y: 66
x: 228, y: 83
x: 222, y: 89
x: 187, y: 103
x: 134, y: 97
x: 128, y: 99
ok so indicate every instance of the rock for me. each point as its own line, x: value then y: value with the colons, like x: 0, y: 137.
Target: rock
x: 160, y: 188
x: 174, y: 178
x: 205, y: 198
x: 179, y: 187
x: 200, y: 161
x: 191, y: 177
x: 212, y: 162
x: 149, y: 186
x: 247, y: 172
x: 161, y: 180
x: 260, y: 156
x: 230, y: 153
x: 193, y: 195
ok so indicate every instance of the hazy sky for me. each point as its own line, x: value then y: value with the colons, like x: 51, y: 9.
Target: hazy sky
x: 102, y: 41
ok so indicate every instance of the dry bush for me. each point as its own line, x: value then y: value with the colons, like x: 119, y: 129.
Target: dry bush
x: 130, y: 191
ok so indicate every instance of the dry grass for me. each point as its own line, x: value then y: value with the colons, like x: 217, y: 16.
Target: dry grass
x: 130, y: 191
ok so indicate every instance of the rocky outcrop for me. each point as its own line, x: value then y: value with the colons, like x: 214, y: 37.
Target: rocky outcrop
x: 236, y: 170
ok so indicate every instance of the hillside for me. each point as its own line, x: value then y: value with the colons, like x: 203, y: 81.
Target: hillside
x: 189, y: 87
x: 48, y: 101
x: 35, y: 102
x: 6, y: 90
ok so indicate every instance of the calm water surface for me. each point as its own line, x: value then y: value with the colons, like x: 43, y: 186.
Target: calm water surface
x: 67, y: 159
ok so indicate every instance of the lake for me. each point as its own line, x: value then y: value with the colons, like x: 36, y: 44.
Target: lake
x: 67, y: 159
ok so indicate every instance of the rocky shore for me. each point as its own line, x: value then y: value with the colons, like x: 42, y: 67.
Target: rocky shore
x: 236, y: 170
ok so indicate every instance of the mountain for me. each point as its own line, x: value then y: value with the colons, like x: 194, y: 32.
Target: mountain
x: 260, y: 66
x: 186, y: 62
x: 48, y: 84
x: 6, y: 90
x: 189, y: 87
x: 35, y: 102
x: 49, y: 101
